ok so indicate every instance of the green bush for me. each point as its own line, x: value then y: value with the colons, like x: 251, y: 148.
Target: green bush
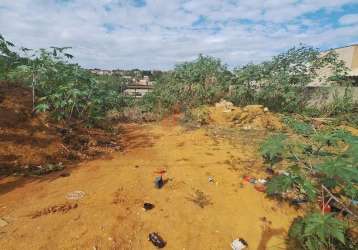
x: 299, y: 127
x: 190, y: 84
x: 317, y: 231
x: 273, y: 148
x: 280, y: 83
x: 64, y: 89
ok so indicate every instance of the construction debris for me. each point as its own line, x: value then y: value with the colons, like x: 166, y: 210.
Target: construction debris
x: 239, y: 244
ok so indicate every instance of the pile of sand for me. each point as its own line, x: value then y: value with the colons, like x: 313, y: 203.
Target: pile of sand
x: 249, y: 117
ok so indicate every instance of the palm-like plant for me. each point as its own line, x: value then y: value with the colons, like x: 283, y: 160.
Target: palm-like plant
x: 317, y: 232
x: 273, y: 148
x: 285, y: 182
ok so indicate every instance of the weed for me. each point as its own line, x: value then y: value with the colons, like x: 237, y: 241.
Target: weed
x: 201, y: 199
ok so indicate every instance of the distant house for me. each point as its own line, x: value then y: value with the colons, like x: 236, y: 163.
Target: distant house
x: 138, y: 88
x: 101, y: 71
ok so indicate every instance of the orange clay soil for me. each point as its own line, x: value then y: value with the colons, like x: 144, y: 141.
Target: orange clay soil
x: 190, y: 211
x: 28, y: 140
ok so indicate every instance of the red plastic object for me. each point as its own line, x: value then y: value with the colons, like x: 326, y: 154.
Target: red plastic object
x: 247, y: 178
x: 260, y: 188
x: 161, y: 172
x: 326, y: 208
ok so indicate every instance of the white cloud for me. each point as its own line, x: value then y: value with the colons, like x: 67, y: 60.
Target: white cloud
x: 349, y: 19
x: 116, y: 34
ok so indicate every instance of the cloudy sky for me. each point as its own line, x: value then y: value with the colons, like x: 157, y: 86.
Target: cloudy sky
x: 157, y: 34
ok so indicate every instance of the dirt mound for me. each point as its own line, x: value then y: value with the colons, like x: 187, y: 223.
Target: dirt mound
x: 29, y: 140
x: 250, y: 117
x: 257, y: 117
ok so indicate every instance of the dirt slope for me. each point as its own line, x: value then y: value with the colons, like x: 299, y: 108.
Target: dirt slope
x: 190, y: 211
x: 29, y: 140
x: 24, y: 140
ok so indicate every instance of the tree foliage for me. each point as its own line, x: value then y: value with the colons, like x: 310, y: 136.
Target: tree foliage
x: 8, y: 58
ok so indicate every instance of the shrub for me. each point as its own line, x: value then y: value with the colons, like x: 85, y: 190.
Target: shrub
x: 273, y: 148
x: 190, y: 84
x: 317, y: 231
x: 198, y: 116
x: 286, y: 182
x: 280, y: 83
x: 299, y: 127
x: 65, y: 90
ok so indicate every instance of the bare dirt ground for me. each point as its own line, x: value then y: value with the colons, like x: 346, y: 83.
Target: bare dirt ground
x: 191, y: 212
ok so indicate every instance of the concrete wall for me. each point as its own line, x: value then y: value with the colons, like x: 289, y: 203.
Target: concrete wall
x: 355, y: 61
x: 319, y: 96
x: 136, y: 92
x: 347, y: 54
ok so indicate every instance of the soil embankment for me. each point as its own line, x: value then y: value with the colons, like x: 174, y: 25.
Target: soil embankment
x: 30, y: 142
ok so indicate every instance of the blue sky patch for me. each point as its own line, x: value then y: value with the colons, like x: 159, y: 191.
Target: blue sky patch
x: 109, y: 27
x: 138, y: 3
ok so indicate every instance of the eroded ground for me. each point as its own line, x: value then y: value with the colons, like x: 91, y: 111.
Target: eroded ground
x: 190, y: 211
x: 30, y: 141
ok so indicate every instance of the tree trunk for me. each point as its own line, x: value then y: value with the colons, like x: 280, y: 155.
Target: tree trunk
x: 33, y: 92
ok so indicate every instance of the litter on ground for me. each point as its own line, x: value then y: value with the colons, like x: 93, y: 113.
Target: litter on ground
x: 75, y: 195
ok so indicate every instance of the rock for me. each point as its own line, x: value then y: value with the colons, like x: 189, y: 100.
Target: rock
x: 254, y: 109
x: 266, y: 109
x: 224, y: 104
x: 3, y: 223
